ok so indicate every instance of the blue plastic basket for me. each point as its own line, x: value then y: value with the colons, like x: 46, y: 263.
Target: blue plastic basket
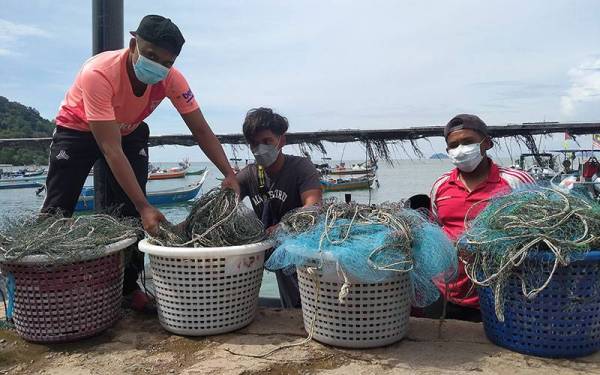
x: 563, y: 321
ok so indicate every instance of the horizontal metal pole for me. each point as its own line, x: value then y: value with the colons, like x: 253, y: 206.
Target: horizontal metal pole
x: 351, y: 135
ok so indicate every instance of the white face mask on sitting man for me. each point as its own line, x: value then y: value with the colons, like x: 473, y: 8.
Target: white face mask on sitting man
x: 466, y: 153
x: 466, y: 157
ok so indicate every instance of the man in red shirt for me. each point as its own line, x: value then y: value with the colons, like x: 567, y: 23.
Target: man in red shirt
x: 459, y: 195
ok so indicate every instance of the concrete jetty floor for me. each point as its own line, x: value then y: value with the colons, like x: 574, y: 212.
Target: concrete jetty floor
x: 139, y: 345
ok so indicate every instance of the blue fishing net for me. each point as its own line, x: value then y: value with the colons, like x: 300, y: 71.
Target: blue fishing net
x: 528, y: 234
x: 370, y: 243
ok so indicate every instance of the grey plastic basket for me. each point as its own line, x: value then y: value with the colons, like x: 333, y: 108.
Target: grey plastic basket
x: 373, y: 314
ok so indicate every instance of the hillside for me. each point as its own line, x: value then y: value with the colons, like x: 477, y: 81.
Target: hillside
x: 20, y: 121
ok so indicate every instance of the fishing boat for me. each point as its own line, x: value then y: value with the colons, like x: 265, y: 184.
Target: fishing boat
x: 540, y: 166
x: 185, y: 163
x: 23, y: 173
x: 195, y: 173
x: 580, y: 172
x: 342, y: 184
x: 22, y: 182
x: 23, y: 179
x: 33, y: 172
x: 17, y: 183
x: 356, y: 169
x: 155, y: 198
x: 157, y: 173
x: 166, y: 174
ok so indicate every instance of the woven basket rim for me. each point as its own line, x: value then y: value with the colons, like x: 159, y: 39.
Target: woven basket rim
x: 200, y: 252
x: 43, y: 259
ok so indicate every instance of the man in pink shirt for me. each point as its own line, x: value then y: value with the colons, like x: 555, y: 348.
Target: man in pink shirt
x: 101, y: 117
x: 460, y: 195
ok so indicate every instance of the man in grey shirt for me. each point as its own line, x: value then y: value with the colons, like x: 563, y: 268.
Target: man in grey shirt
x: 276, y: 183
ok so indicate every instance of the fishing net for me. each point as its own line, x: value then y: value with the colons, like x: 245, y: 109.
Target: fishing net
x: 62, y: 240
x: 217, y: 219
x: 528, y: 234
x: 370, y: 242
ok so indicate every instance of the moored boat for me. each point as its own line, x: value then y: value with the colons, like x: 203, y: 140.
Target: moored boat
x: 19, y: 184
x: 342, y: 184
x: 355, y: 169
x: 155, y: 198
x: 540, y: 166
x: 166, y: 174
x: 23, y: 179
x: 195, y: 173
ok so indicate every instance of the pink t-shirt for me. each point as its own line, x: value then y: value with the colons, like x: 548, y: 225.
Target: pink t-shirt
x: 102, y: 92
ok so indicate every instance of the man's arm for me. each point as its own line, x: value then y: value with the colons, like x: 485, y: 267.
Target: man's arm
x: 108, y: 138
x: 310, y: 189
x: 211, y: 146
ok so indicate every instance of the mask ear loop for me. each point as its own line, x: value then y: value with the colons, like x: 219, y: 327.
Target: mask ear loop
x: 137, y: 49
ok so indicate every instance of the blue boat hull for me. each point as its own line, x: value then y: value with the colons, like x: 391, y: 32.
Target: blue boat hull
x: 155, y: 198
x: 24, y: 185
x: 86, y: 202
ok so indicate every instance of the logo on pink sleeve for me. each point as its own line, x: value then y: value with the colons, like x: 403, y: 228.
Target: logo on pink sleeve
x: 188, y: 95
x: 154, y: 104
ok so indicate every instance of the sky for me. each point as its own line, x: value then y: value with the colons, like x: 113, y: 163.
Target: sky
x: 335, y: 64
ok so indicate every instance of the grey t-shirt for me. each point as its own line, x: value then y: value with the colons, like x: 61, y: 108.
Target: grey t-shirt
x: 282, y: 191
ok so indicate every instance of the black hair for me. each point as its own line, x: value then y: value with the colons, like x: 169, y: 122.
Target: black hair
x: 258, y: 119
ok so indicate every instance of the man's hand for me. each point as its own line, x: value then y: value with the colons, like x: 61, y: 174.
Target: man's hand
x: 232, y: 183
x: 270, y: 230
x: 151, y: 218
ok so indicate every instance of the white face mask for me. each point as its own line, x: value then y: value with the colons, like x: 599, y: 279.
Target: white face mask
x: 466, y: 157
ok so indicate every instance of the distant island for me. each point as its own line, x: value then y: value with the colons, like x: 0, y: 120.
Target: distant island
x: 439, y: 155
x: 20, y: 121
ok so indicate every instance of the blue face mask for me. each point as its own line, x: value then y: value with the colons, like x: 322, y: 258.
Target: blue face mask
x: 148, y: 71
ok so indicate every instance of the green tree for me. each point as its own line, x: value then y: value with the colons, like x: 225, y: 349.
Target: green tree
x: 20, y: 121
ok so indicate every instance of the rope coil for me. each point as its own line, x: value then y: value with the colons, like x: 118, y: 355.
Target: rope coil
x: 368, y: 243
x: 528, y: 234
x: 62, y: 240
x: 217, y: 219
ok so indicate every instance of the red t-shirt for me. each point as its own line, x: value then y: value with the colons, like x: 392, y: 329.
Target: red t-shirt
x: 102, y: 92
x: 450, y: 204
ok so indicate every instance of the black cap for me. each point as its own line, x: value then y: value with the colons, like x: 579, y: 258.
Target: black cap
x: 160, y: 31
x: 466, y: 121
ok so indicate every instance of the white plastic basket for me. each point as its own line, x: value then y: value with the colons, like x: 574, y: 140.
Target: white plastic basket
x: 206, y: 291
x: 372, y: 315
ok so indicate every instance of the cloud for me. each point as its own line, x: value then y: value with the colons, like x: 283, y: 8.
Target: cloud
x: 12, y: 30
x: 585, y: 86
x: 11, y: 33
x: 518, y: 90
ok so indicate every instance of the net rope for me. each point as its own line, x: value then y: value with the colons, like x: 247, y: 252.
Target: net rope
x: 216, y: 219
x: 62, y: 239
x: 368, y: 243
x: 528, y: 234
